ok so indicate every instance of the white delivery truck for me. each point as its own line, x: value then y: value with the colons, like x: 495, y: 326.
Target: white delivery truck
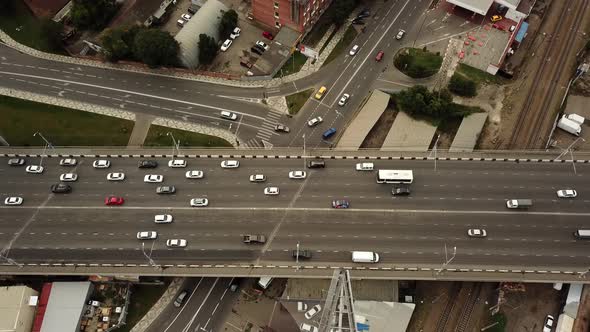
x: 519, y: 203
x: 570, y: 126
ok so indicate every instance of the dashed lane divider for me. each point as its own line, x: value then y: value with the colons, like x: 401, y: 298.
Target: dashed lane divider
x: 245, y: 156
x: 291, y: 267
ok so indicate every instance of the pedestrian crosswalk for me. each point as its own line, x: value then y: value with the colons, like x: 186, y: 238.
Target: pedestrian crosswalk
x: 265, y: 132
x: 267, y: 129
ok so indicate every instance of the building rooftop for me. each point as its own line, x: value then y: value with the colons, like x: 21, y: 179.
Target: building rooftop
x: 478, y: 6
x: 15, y: 312
x: 65, y: 306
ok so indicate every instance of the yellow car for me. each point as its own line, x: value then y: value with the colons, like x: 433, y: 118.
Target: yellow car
x: 496, y: 18
x: 320, y: 93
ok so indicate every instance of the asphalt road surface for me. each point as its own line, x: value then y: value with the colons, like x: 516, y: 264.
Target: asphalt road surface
x: 459, y: 195
x: 200, y: 102
x: 208, y: 302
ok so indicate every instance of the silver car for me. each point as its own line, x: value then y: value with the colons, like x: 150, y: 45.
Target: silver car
x: 199, y: 202
x: 194, y: 174
x: 230, y: 164
x: 477, y: 232
x: 147, y: 235
x: 163, y: 218
x: 101, y: 163
x: 116, y: 176
x: 176, y: 243
x: 68, y: 177
x: 153, y: 178
x: 297, y: 175
x: 257, y: 178
x: 13, y: 201
x: 68, y: 162
x: 34, y: 169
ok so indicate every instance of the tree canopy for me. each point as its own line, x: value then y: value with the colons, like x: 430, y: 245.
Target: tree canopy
x: 339, y: 11
x: 207, y: 49
x: 419, y: 101
x: 155, y: 48
x: 229, y: 21
x: 92, y: 14
x: 462, y: 86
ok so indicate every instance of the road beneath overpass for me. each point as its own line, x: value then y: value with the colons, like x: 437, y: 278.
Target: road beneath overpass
x: 77, y: 230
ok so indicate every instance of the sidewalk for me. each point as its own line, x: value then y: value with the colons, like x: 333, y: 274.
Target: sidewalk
x: 141, y: 128
x: 157, y: 309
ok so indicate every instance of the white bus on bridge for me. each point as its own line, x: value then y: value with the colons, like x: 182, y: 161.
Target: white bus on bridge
x: 395, y: 176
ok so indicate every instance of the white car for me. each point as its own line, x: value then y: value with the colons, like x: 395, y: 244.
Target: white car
x: 343, y: 99
x: 308, y: 328
x: 477, y: 232
x: 548, y: 326
x: 163, y: 218
x: 116, y: 176
x: 365, y: 166
x: 68, y: 177
x: 199, y: 202
x: 101, y: 163
x: 400, y: 34
x: 13, y: 201
x: 228, y: 115
x: 297, y: 175
x: 315, y: 121
x: 176, y: 163
x: 147, y: 235
x: 186, y: 17
x: 567, y: 193
x: 68, y: 162
x: 35, y: 169
x: 153, y: 178
x: 262, y: 44
x: 353, y: 50
x: 257, y: 178
x: 313, y: 311
x: 226, y: 44
x: 194, y: 174
x: 236, y: 33
x: 176, y: 243
x: 230, y: 164
x: 271, y: 190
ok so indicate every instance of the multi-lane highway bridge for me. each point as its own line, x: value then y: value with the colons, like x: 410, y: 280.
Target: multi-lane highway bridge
x: 76, y: 233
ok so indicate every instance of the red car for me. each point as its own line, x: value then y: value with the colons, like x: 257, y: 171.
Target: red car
x: 268, y: 35
x: 114, y: 200
x: 379, y: 56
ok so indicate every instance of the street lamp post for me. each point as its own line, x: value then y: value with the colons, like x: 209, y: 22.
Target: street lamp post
x: 47, y: 145
x: 447, y: 260
x: 303, y: 151
x: 297, y: 258
x: 149, y: 257
x: 570, y: 150
x: 174, y: 145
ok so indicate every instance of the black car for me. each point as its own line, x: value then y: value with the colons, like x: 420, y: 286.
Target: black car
x: 303, y: 254
x: 282, y: 128
x: 148, y: 164
x: 400, y: 190
x: 318, y: 163
x: 358, y: 21
x: 165, y: 190
x: 61, y: 188
x: 256, y: 50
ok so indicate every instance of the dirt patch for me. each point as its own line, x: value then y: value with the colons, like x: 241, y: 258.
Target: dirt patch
x: 378, y: 133
x: 526, y: 310
x: 582, y: 323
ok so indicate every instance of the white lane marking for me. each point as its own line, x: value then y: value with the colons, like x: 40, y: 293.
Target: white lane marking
x: 181, y: 310
x: 190, y: 323
x: 374, y: 47
x: 131, y: 92
x: 159, y: 208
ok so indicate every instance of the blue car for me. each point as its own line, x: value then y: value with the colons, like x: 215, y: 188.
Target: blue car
x: 329, y: 133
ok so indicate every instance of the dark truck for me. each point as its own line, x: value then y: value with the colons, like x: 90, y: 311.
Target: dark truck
x: 250, y: 238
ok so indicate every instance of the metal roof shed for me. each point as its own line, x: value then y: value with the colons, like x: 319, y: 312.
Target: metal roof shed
x: 65, y: 306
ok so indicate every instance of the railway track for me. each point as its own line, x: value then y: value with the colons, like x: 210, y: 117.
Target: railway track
x: 443, y: 320
x: 536, y: 114
x: 465, y: 317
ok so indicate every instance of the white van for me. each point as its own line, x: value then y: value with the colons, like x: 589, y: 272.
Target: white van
x: 365, y: 257
x: 365, y: 166
x: 264, y: 282
x: 229, y: 115
x: 576, y: 118
x: 582, y: 233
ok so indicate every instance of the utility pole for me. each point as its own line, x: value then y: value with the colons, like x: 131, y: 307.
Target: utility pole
x: 570, y: 150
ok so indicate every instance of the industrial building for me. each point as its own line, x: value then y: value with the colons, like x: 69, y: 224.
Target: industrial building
x: 17, y: 308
